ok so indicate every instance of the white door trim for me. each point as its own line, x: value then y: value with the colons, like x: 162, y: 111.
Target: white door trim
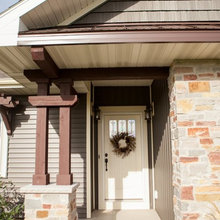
x: 127, y: 110
x: 88, y: 153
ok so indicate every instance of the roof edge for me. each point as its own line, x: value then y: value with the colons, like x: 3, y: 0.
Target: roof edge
x: 195, y: 26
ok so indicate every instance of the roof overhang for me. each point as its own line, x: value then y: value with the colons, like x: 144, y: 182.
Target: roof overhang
x: 123, y: 33
x: 115, y: 46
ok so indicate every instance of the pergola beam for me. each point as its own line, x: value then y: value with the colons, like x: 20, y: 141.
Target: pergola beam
x: 43, y: 59
x: 106, y: 73
x: 116, y: 73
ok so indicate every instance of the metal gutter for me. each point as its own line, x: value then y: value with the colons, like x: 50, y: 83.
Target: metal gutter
x: 110, y: 37
x: 185, y: 32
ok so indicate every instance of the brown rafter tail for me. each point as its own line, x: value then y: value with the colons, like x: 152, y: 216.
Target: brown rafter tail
x: 43, y: 59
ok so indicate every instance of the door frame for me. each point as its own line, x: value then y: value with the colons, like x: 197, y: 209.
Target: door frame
x: 112, y: 110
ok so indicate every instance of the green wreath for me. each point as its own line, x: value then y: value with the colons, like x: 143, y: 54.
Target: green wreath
x: 123, y: 144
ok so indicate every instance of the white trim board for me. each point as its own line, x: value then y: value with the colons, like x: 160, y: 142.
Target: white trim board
x: 88, y: 153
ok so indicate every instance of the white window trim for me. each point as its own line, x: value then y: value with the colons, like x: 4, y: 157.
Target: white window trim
x: 3, y: 150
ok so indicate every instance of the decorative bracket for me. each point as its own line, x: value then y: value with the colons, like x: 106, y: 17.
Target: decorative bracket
x: 6, y: 105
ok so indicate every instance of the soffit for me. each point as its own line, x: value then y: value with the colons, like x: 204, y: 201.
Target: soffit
x: 13, y: 60
x: 130, y: 55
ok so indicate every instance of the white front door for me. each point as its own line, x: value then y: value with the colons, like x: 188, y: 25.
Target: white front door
x: 123, y: 182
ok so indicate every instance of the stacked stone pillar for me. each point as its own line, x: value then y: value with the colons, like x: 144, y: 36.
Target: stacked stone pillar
x: 50, y: 202
x: 195, y: 124
x: 42, y: 199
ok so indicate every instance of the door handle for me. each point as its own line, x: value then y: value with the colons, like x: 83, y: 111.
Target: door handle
x: 106, y: 164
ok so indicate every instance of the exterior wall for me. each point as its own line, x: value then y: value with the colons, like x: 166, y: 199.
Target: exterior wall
x: 21, y: 162
x: 154, y: 11
x: 195, y: 123
x: 162, y: 150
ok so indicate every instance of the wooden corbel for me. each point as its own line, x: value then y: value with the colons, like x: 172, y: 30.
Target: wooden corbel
x: 6, y: 105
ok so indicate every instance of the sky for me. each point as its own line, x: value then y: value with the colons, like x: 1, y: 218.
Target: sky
x: 4, y: 4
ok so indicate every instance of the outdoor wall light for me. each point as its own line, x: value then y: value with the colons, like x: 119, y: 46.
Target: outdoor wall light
x: 97, y: 113
x: 149, y: 112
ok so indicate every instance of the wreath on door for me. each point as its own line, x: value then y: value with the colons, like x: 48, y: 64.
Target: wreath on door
x: 123, y: 144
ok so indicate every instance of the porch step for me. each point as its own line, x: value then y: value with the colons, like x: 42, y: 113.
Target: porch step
x: 125, y: 215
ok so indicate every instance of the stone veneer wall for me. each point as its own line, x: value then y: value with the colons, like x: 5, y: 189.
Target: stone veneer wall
x: 195, y: 124
x: 50, y: 202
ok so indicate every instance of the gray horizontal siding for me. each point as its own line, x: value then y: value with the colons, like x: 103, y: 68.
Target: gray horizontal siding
x: 154, y: 11
x: 163, y: 170
x: 21, y: 158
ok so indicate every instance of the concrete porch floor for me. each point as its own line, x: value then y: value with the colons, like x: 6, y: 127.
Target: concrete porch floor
x: 125, y: 215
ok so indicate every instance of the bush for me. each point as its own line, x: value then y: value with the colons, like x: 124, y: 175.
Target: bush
x: 11, y: 202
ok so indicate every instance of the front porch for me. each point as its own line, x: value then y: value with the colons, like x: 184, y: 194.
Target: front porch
x: 191, y: 126
x: 125, y: 215
x: 86, y: 71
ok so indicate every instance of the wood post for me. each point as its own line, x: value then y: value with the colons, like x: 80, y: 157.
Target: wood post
x: 41, y: 176
x: 65, y: 177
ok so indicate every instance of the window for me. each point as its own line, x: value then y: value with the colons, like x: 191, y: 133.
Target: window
x: 3, y: 149
x: 112, y: 127
x: 131, y: 127
x: 122, y: 126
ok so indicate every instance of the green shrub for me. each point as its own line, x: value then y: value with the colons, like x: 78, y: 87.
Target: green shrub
x: 11, y: 202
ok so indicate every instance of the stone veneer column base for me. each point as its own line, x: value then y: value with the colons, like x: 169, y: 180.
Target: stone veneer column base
x: 50, y: 202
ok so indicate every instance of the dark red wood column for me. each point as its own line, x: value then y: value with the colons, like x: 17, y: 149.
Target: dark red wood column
x: 41, y: 176
x: 65, y: 177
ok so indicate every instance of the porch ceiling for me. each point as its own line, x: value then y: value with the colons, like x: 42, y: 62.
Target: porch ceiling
x: 13, y: 60
x: 130, y: 55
